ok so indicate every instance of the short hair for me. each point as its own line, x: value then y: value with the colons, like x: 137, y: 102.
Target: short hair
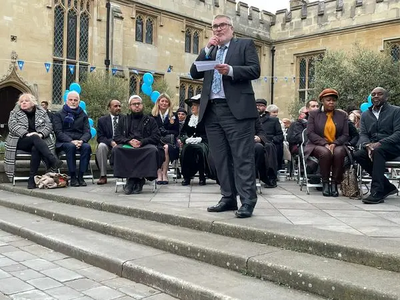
x: 109, y: 102
x: 309, y: 101
x: 29, y: 96
x: 75, y: 93
x: 272, y: 108
x: 301, y: 109
x: 45, y: 102
x: 224, y: 16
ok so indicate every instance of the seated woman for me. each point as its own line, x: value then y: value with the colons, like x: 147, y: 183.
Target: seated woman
x: 168, y: 124
x: 195, y: 145
x: 30, y: 130
x: 136, y: 155
x: 328, y: 132
x: 72, y: 130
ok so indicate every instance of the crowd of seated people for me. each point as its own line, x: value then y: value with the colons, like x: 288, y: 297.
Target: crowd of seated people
x: 151, y: 142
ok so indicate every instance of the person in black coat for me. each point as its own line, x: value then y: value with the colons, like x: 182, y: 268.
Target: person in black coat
x: 379, y: 142
x: 106, y: 127
x: 168, y: 125
x: 195, y: 145
x: 274, y: 134
x: 72, y: 130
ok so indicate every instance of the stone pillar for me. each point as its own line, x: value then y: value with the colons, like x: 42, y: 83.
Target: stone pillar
x: 296, y: 3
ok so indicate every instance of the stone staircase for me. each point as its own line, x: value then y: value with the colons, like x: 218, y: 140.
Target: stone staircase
x: 197, y: 255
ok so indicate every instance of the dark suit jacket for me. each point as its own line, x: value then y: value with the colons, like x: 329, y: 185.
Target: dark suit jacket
x: 272, y: 129
x: 105, y: 130
x: 316, y: 125
x: 167, y: 127
x: 243, y: 58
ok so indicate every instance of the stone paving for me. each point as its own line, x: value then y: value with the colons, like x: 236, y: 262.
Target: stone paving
x: 284, y: 204
x: 29, y: 271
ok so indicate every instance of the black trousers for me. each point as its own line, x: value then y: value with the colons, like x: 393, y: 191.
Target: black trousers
x: 376, y: 167
x: 231, y: 144
x: 39, y: 151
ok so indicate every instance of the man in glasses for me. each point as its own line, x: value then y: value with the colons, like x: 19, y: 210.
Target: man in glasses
x: 106, y: 128
x: 137, y: 155
x: 228, y: 107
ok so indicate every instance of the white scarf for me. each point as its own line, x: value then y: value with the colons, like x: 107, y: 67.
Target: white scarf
x: 164, y: 116
x: 193, y: 121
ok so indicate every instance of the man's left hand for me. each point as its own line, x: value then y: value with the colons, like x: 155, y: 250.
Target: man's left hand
x: 222, y: 69
x: 373, y: 146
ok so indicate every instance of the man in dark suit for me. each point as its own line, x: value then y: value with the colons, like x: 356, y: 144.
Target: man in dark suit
x: 105, y: 137
x: 228, y: 107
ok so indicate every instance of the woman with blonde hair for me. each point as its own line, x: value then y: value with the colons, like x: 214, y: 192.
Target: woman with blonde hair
x: 168, y: 125
x: 30, y: 130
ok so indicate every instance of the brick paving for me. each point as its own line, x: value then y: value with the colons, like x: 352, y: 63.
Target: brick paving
x: 29, y: 271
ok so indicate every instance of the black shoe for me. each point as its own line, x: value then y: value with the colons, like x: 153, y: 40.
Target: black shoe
x: 271, y: 183
x: 185, y: 182
x: 326, y: 190
x: 391, y: 190
x: 74, y: 182
x: 334, y: 190
x: 81, y: 181
x: 222, y: 206
x: 374, y: 198
x: 319, y: 188
x: 31, y: 183
x: 138, y: 186
x: 130, y: 185
x: 245, y: 211
x: 202, y: 181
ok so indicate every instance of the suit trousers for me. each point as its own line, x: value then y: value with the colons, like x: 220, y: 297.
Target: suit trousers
x: 103, y: 152
x: 231, y: 144
x: 70, y: 152
x: 376, y: 167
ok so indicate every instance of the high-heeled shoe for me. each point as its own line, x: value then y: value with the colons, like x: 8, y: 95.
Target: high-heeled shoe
x: 334, y: 190
x: 326, y: 190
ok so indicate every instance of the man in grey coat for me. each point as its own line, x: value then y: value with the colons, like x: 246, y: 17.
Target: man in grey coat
x: 380, y: 142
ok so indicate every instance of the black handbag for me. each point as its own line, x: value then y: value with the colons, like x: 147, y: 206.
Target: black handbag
x: 168, y: 139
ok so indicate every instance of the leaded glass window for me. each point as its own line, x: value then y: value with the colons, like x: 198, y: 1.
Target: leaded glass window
x: 84, y: 38
x: 182, y: 95
x: 133, y: 85
x: 57, y: 82
x: 70, y: 76
x: 71, y: 34
x: 139, y: 29
x: 190, y: 91
x: 306, y: 74
x: 58, y: 32
x: 83, y: 70
x: 198, y: 90
x: 302, y: 73
x: 188, y: 41
x: 395, y: 53
x: 149, y: 31
x: 311, y: 72
x: 196, y: 42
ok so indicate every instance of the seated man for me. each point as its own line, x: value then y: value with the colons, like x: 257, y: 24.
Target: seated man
x: 106, y: 127
x: 72, y: 130
x: 136, y: 155
x: 380, y: 142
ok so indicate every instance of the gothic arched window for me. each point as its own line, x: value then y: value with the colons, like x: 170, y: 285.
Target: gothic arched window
x: 139, y: 29
x: 149, y: 31
x: 71, y: 34
x: 196, y: 42
x: 188, y: 41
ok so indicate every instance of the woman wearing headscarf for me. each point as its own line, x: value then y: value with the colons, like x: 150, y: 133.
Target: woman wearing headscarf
x: 195, y: 145
x: 71, y: 126
x: 168, y: 125
x: 30, y: 130
x: 328, y: 131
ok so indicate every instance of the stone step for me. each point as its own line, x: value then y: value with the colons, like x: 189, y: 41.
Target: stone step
x: 178, y: 276
x: 323, y: 276
x: 341, y: 246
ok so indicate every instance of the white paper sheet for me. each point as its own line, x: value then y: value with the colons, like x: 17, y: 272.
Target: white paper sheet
x: 205, y: 65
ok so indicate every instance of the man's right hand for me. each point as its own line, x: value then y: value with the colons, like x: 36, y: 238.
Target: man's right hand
x: 213, y: 41
x: 113, y: 144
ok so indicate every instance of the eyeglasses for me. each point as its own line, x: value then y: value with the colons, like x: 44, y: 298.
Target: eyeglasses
x: 221, y: 26
x: 136, y: 104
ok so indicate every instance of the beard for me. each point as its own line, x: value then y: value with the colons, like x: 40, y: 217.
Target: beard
x: 137, y: 115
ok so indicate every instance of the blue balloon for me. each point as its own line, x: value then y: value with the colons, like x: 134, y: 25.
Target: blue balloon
x: 154, y: 96
x: 147, y: 89
x: 93, y: 132
x: 82, y: 104
x: 364, y: 106
x: 91, y: 122
x: 148, y: 78
x: 75, y: 87
x: 370, y: 99
x: 85, y: 112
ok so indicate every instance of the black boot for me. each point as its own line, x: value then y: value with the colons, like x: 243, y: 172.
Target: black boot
x: 81, y: 181
x: 334, y: 190
x: 202, y: 179
x: 129, y: 187
x: 326, y: 190
x: 185, y: 182
x: 138, y: 186
x: 31, y: 183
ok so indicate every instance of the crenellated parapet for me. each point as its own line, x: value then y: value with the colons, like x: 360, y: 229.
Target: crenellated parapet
x: 307, y: 18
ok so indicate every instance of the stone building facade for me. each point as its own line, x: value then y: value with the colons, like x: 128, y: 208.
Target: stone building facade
x: 60, y: 41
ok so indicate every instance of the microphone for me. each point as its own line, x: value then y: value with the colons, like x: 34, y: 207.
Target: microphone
x: 211, y: 50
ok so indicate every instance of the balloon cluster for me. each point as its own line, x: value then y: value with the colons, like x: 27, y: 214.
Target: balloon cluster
x: 364, y: 106
x: 82, y: 104
x: 147, y: 87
